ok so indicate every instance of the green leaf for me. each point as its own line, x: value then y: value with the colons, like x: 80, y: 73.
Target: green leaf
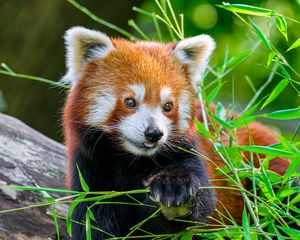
x: 273, y: 176
x: 282, y: 26
x: 221, y: 111
x: 265, y: 150
x: 278, y: 234
x: 223, y: 123
x: 71, y: 209
x: 270, y: 58
x: 84, y: 185
x: 243, y: 119
x: 246, y: 226
x: 291, y: 169
x: 91, y: 214
x: 202, y: 130
x: 213, y: 94
x: 240, y: 122
x: 261, y: 35
x: 295, y: 199
x: 88, y: 230
x: 287, y: 192
x: 284, y: 71
x: 293, y: 233
x: 270, y: 195
x: 186, y: 235
x: 46, y: 195
x: 284, y: 114
x: 247, y: 9
x: 237, y: 58
x: 55, y: 223
x: 294, y: 45
x: 276, y: 91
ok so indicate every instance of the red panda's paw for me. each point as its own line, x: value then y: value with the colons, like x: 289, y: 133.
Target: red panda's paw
x: 172, y: 189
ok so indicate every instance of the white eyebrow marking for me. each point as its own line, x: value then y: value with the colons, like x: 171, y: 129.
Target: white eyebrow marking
x: 184, y: 110
x: 102, y: 107
x: 164, y: 94
x: 139, y: 91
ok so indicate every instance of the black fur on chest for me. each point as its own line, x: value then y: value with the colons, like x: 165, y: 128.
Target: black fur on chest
x: 106, y: 167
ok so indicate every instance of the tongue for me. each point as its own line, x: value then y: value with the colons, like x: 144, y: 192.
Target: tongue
x: 149, y: 144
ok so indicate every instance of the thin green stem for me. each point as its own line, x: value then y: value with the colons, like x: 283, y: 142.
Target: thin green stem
x: 101, y: 21
x: 34, y: 78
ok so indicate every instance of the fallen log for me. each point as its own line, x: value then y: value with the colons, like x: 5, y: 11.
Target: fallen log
x: 27, y: 158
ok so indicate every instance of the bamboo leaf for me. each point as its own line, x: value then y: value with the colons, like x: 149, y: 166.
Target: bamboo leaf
x: 287, y: 192
x: 291, y: 169
x: 186, y: 235
x: 246, y: 117
x: 276, y: 91
x: 293, y: 233
x: 270, y: 58
x: 282, y: 26
x: 91, y: 215
x: 88, y: 230
x: 284, y: 114
x: 246, y: 226
x: 295, y: 199
x: 54, y: 214
x: 213, y: 94
x: 266, y: 150
x: 269, y: 189
x: 221, y: 111
x: 247, y: 9
x: 71, y: 209
x: 202, y: 130
x: 223, y: 123
x: 261, y: 35
x: 84, y: 185
x: 294, y: 45
x: 238, y: 58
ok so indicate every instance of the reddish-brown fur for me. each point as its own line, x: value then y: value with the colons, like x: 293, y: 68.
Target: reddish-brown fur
x: 143, y: 69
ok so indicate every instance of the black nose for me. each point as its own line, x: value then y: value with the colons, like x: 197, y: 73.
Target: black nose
x: 153, y: 134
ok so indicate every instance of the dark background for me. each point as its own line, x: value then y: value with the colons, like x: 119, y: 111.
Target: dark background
x: 31, y: 42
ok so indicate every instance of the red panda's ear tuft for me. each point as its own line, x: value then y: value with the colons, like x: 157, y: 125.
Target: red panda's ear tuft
x: 83, y: 45
x: 194, y: 52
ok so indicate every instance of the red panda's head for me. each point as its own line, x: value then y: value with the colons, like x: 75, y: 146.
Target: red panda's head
x: 141, y: 93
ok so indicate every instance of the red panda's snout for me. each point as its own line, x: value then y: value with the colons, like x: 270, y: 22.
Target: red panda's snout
x: 148, y: 128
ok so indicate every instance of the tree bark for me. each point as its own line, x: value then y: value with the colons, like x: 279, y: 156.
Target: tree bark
x: 27, y: 158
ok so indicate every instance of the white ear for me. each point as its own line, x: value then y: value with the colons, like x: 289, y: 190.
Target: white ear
x: 194, y: 52
x: 83, y: 45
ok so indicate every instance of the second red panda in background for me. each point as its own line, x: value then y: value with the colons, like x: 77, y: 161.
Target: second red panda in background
x: 130, y: 107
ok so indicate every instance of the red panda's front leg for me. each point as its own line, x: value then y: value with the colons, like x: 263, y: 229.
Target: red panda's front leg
x: 177, y: 189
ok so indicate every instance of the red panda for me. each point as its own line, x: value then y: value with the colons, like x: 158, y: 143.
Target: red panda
x: 130, y: 106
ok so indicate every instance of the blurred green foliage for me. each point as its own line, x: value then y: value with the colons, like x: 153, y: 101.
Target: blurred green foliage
x: 233, y: 37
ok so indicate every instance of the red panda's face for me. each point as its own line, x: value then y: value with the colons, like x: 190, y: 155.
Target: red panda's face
x: 140, y: 93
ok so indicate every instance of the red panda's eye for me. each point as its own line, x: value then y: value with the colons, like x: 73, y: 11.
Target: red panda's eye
x: 168, y: 107
x: 130, y: 103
